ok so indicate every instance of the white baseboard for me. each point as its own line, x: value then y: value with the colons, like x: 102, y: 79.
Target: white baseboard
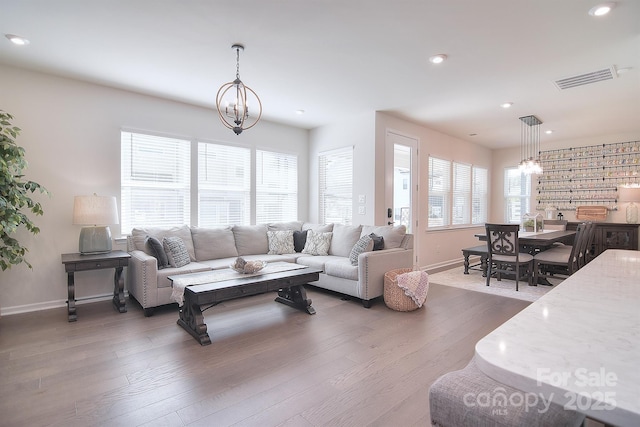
x: 444, y: 265
x: 28, y: 308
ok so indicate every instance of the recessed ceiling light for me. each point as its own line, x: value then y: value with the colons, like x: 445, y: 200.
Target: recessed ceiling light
x: 548, y: 132
x: 438, y: 59
x: 506, y: 104
x: 623, y: 70
x: 300, y: 112
x: 17, y: 40
x: 601, y: 9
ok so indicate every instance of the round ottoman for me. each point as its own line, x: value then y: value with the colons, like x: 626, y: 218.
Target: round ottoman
x: 394, y: 296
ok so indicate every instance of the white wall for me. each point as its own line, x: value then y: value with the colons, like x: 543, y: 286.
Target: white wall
x: 357, y: 132
x: 71, y: 134
x: 510, y: 157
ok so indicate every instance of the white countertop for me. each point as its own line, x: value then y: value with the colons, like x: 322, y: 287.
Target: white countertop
x: 579, y: 344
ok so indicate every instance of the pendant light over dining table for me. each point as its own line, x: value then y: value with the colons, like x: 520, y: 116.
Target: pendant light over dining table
x: 530, y: 145
x: 234, y: 100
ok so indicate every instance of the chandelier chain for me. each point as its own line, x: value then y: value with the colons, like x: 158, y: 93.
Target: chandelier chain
x: 238, y: 63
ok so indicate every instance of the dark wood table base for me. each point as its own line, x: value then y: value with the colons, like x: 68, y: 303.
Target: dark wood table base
x: 289, y: 284
x: 78, y: 262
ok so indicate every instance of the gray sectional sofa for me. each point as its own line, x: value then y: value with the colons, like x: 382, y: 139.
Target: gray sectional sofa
x: 357, y: 272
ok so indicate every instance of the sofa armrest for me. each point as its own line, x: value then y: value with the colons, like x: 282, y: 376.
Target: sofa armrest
x: 373, y: 265
x: 142, y: 278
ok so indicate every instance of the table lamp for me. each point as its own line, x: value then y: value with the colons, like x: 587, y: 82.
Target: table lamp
x: 95, y: 213
x: 630, y: 194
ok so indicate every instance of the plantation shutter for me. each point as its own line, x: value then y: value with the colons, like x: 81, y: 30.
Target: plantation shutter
x: 224, y: 185
x: 439, y: 185
x: 154, y: 177
x: 479, y: 196
x: 276, y: 187
x: 336, y: 186
x: 461, y: 194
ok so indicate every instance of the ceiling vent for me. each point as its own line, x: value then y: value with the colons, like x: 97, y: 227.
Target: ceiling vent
x: 585, y: 79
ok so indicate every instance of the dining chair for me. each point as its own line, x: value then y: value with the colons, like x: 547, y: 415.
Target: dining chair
x: 504, y: 254
x: 562, y: 260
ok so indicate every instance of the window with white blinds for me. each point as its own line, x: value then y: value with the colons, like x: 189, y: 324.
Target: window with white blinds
x: 479, y: 195
x: 224, y: 185
x: 276, y: 187
x: 517, y: 193
x: 458, y: 194
x: 336, y: 186
x: 155, y: 181
x: 461, y: 208
x: 439, y: 192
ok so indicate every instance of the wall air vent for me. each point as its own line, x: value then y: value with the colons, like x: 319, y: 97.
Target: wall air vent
x: 585, y: 79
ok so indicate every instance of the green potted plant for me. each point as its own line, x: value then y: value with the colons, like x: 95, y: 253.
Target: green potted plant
x: 15, y: 200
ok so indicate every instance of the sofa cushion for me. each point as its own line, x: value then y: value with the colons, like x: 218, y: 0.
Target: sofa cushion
x: 280, y: 242
x: 341, y: 268
x: 343, y: 239
x: 139, y: 236
x: 157, y: 251
x: 317, y: 243
x: 392, y: 235
x: 320, y: 228
x: 213, y: 243
x: 176, y: 251
x: 299, y: 240
x: 291, y: 225
x: 317, y: 261
x: 364, y: 244
x: 378, y: 242
x: 251, y: 239
x: 192, y: 267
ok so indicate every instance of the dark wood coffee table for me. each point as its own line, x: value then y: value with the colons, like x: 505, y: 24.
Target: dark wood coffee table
x: 289, y: 285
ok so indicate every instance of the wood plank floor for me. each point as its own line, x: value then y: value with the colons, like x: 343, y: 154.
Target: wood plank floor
x: 268, y: 364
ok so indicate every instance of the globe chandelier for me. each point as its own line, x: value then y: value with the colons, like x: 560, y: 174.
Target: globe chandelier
x: 234, y: 100
x: 530, y: 145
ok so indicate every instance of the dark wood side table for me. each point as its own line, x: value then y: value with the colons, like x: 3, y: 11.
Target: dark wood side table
x: 78, y: 262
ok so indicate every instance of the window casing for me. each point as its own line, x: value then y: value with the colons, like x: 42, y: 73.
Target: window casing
x: 335, y: 170
x: 162, y: 180
x: 517, y: 195
x: 458, y: 194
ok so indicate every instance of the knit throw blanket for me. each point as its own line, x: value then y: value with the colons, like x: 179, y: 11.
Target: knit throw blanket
x: 415, y: 285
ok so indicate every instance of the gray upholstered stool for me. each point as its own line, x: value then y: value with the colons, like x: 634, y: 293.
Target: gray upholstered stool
x: 470, y: 398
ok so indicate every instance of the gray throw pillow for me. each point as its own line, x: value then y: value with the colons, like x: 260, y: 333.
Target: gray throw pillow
x: 364, y: 244
x: 157, y: 251
x: 176, y: 251
x: 299, y: 239
x: 378, y: 242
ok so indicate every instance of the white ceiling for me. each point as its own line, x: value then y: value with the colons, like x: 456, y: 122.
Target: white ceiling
x: 338, y: 58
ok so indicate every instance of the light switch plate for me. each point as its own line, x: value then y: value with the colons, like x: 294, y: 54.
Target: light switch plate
x: 361, y: 210
x: 362, y: 198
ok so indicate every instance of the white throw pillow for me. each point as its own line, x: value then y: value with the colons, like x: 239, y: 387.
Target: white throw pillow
x: 280, y: 242
x: 317, y: 243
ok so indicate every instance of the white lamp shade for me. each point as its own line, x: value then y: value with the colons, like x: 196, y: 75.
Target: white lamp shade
x: 95, y: 210
x: 629, y: 194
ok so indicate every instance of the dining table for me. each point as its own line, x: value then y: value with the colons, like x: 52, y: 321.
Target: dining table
x: 578, y: 345
x: 535, y: 241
